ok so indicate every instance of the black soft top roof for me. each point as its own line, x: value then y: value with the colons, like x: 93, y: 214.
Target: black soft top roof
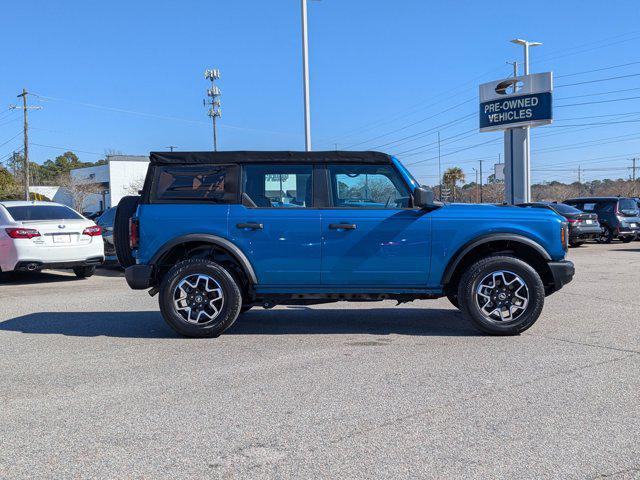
x: 330, y: 156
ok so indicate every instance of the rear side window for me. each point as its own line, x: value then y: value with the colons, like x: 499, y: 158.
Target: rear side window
x: 562, y: 208
x: 605, y: 207
x: 207, y: 183
x: 627, y: 204
x: 278, y: 186
x: 43, y: 212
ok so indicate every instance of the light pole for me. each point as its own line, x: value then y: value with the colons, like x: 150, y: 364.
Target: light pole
x: 527, y: 133
x: 305, y: 78
x: 214, y: 110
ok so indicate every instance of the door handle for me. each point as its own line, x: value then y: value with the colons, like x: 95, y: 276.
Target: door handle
x: 342, y: 226
x: 250, y: 225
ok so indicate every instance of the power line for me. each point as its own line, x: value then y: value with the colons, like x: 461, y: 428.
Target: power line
x: 598, y: 80
x: 599, y: 93
x: 67, y: 148
x: 597, y: 69
x: 597, y: 101
x: 12, y: 138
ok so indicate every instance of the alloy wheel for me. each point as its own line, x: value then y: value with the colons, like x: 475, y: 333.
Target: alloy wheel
x: 502, y: 296
x: 198, y: 299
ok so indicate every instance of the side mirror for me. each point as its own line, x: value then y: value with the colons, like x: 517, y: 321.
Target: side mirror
x: 423, y: 197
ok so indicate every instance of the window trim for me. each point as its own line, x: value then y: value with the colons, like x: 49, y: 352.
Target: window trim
x: 314, y: 190
x: 331, y: 206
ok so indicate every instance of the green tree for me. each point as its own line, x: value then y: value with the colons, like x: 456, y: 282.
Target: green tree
x: 451, y: 178
x: 9, y: 188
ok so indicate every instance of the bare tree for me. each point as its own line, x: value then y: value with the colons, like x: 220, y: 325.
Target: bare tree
x: 78, y: 191
x: 134, y: 187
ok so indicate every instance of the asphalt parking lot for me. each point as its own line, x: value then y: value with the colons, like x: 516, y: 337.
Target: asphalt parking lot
x: 94, y: 385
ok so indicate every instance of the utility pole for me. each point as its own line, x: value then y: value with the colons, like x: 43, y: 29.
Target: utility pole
x: 215, y: 111
x: 477, y: 191
x: 633, y: 169
x: 481, y: 181
x: 439, y: 170
x: 25, y: 108
x: 515, y: 71
x: 579, y: 175
x: 171, y: 147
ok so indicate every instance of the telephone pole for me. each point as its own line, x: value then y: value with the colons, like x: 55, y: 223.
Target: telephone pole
x: 171, y: 147
x: 515, y: 71
x: 579, y: 175
x: 439, y: 170
x: 25, y: 109
x: 214, y: 110
x: 480, y: 181
x: 633, y: 169
x: 477, y: 190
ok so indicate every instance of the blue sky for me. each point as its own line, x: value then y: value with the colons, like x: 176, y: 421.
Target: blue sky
x: 128, y: 76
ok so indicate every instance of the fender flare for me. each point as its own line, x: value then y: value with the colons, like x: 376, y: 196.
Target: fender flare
x: 214, y: 240
x: 492, y: 237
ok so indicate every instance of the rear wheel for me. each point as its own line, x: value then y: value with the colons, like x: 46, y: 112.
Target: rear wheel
x: 606, y: 235
x: 199, y: 298
x: 126, y: 209
x: 576, y: 244
x: 84, y: 272
x: 245, y: 309
x: 501, y: 295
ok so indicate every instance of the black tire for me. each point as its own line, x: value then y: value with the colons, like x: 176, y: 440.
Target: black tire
x: 576, y: 244
x: 84, y: 272
x: 228, y: 309
x: 245, y: 308
x: 453, y: 298
x: 606, y: 236
x: 628, y: 239
x: 480, y: 270
x: 126, y: 209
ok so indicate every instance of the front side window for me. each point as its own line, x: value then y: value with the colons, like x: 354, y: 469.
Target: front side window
x: 182, y: 183
x: 278, y: 186
x: 367, y: 186
x: 43, y: 212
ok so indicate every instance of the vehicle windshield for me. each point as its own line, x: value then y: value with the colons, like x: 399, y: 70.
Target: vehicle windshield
x: 564, y: 209
x: 627, y: 204
x: 42, y: 212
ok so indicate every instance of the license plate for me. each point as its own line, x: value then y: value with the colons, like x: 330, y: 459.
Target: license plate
x: 633, y: 225
x: 62, y: 238
x: 588, y: 222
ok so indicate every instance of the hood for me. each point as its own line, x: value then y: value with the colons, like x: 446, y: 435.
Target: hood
x: 490, y: 211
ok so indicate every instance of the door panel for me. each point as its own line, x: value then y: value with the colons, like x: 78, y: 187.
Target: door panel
x: 280, y: 234
x: 385, y: 248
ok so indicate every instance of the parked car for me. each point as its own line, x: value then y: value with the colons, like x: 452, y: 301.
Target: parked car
x: 38, y: 235
x: 211, y: 235
x: 618, y: 216
x: 582, y: 226
x: 105, y: 221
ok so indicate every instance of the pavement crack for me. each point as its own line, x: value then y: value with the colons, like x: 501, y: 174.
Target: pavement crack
x: 635, y: 469
x: 573, y: 342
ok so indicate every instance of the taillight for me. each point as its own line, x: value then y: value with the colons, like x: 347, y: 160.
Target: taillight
x: 134, y: 234
x: 22, y: 232
x: 572, y: 220
x: 94, y: 231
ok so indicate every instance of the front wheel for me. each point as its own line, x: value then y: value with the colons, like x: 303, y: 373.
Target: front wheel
x: 199, y: 298
x: 84, y: 272
x: 501, y: 295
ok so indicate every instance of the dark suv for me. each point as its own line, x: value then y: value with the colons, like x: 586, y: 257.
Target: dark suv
x: 217, y: 233
x: 582, y: 226
x: 618, y: 216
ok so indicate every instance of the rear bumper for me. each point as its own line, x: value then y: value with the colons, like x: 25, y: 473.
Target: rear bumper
x: 584, y: 232
x: 31, y: 265
x: 139, y: 276
x: 562, y: 272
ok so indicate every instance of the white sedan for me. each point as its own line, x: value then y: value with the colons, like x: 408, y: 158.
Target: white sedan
x: 37, y: 235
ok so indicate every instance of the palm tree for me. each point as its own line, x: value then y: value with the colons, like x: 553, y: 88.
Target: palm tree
x: 451, y: 177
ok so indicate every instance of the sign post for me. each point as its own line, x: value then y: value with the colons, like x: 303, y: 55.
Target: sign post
x: 513, y: 105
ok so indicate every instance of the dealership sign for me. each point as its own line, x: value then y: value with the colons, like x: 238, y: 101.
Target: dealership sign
x: 524, y: 101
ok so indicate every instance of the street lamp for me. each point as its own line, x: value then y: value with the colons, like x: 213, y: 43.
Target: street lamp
x: 305, y: 77
x: 526, y: 44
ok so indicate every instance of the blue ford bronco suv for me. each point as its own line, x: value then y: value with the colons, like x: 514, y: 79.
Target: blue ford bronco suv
x: 216, y: 234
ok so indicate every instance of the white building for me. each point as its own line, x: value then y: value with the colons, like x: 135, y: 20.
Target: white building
x: 122, y: 175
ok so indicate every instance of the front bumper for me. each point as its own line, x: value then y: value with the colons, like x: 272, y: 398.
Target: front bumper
x: 562, y: 272
x: 139, y: 276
